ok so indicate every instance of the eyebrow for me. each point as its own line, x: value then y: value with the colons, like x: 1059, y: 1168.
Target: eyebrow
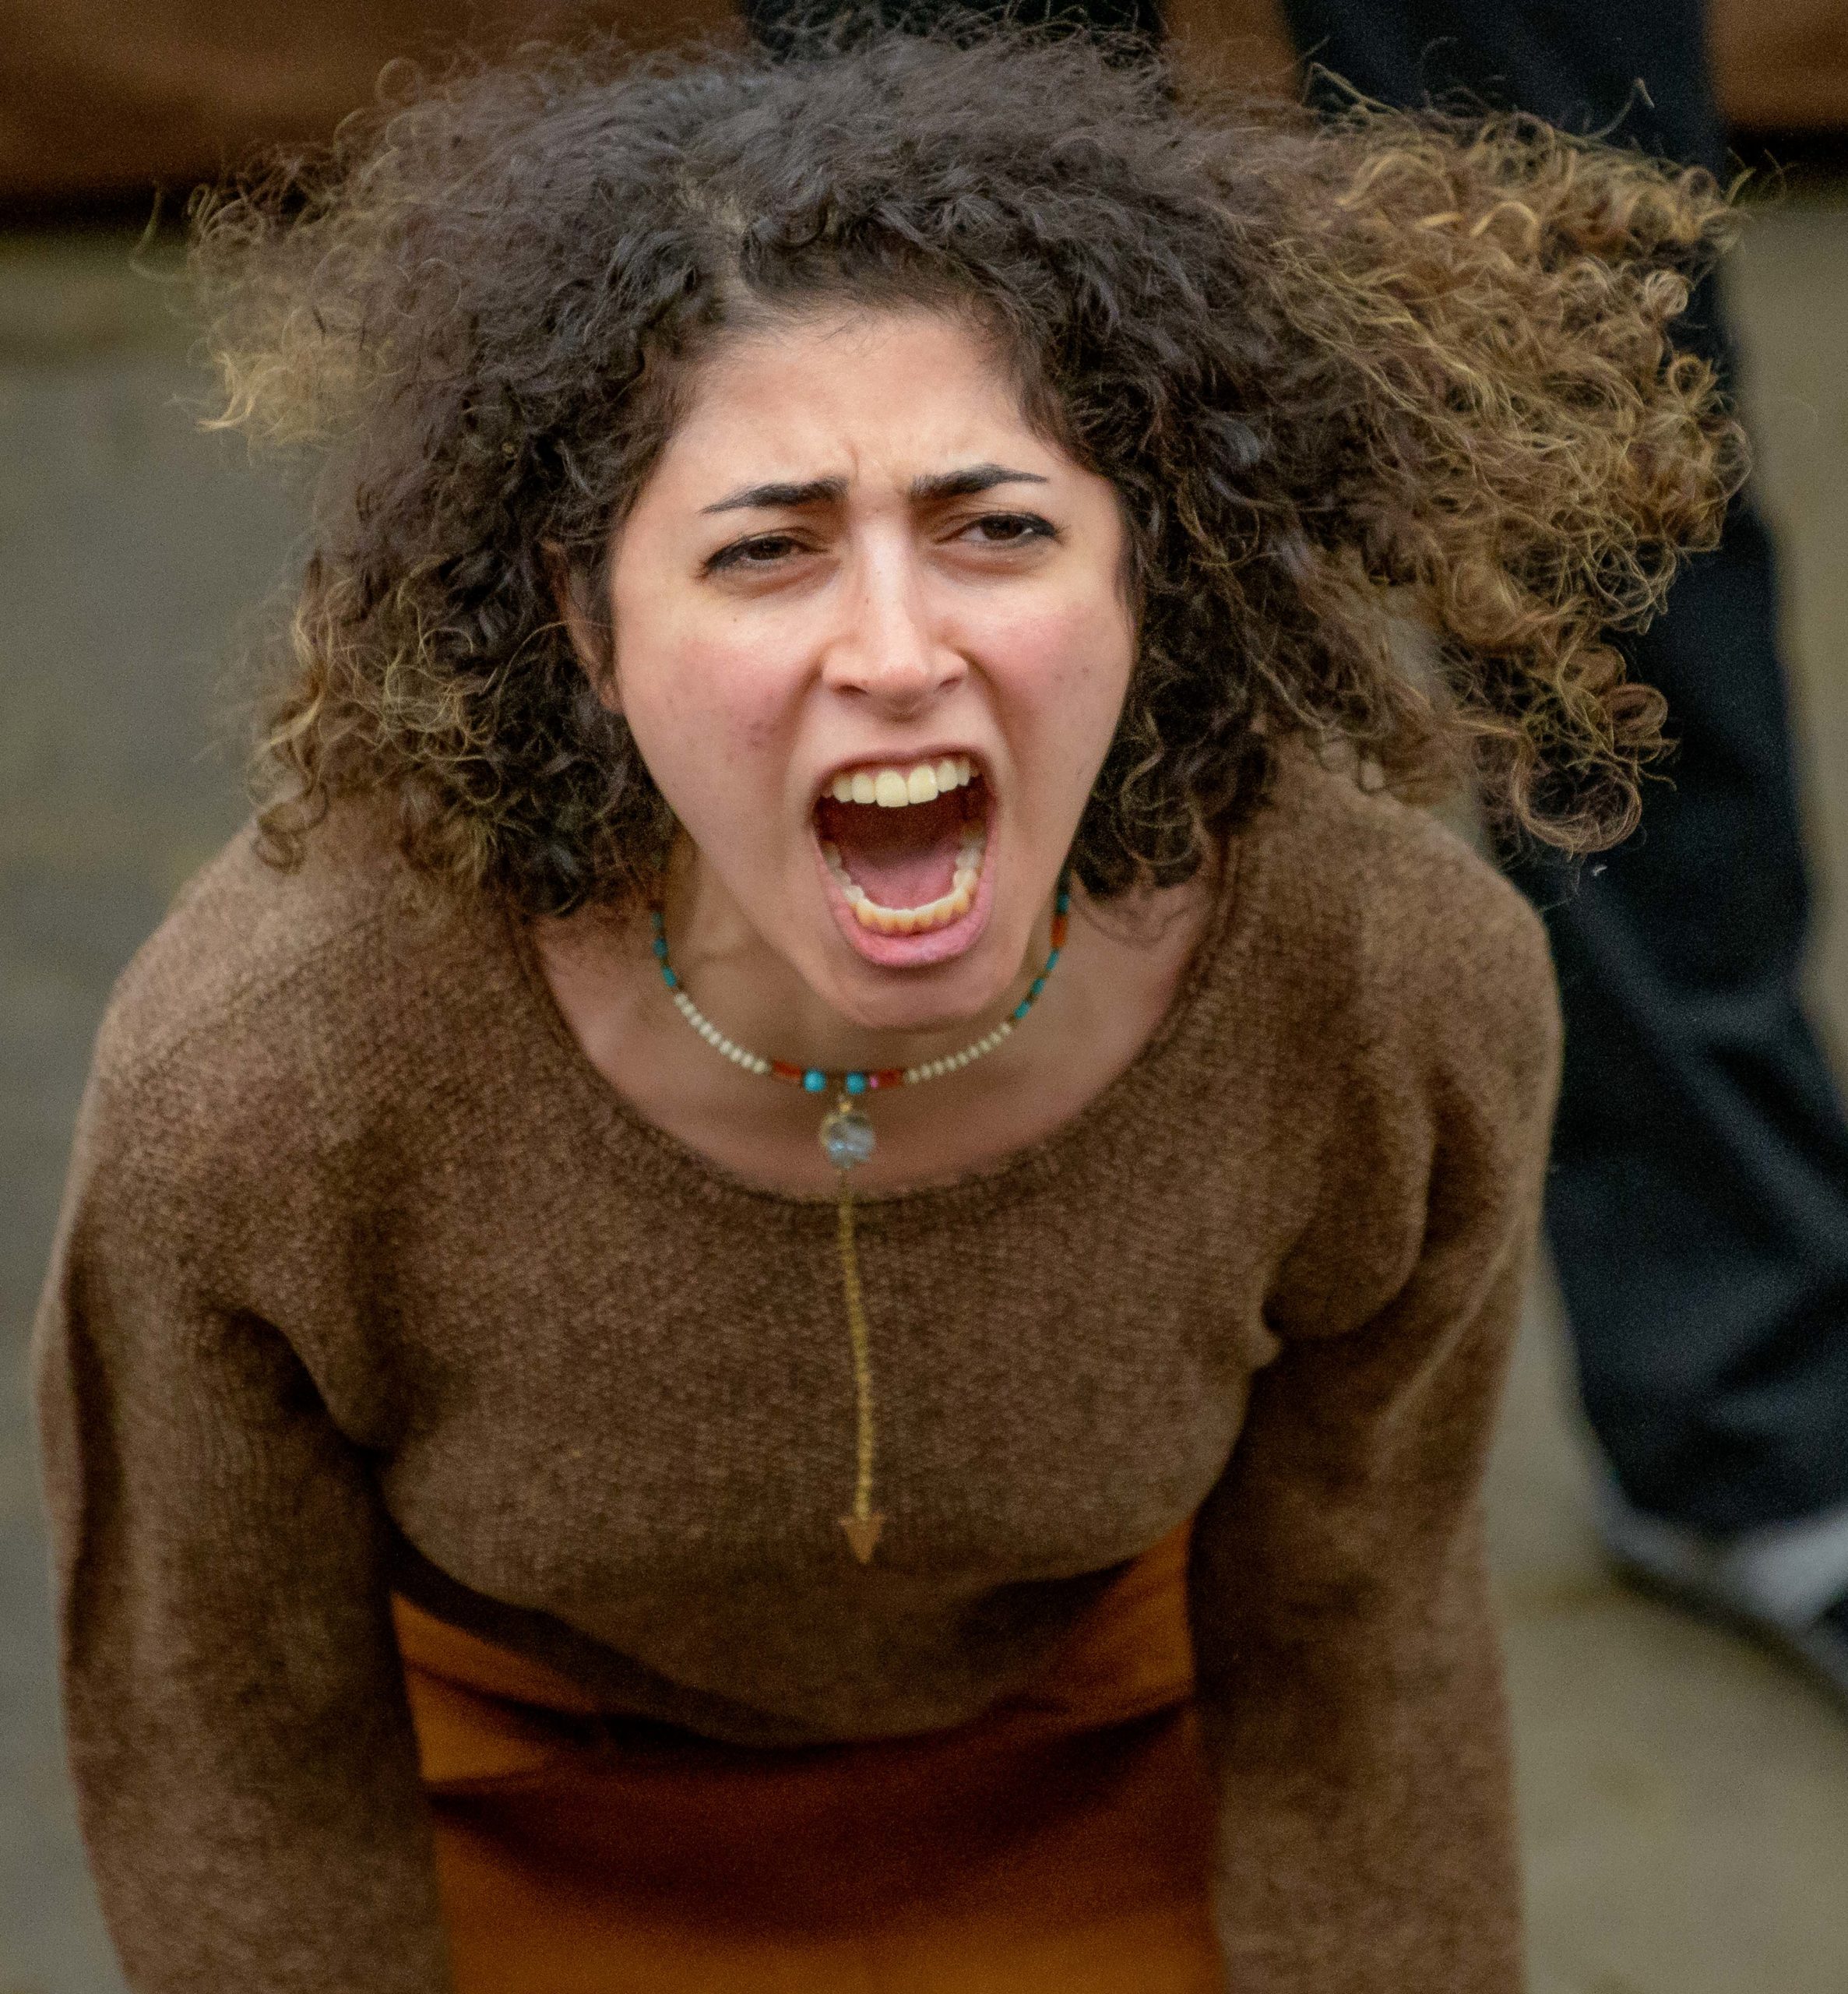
x: 967, y: 484
x: 830, y: 490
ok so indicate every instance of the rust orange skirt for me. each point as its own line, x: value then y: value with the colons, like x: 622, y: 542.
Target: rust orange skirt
x: 1060, y: 1845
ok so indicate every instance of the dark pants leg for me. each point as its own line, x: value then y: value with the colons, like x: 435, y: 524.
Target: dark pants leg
x: 1698, y: 1208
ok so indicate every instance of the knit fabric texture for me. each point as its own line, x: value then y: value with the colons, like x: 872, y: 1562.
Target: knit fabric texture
x: 366, y: 1281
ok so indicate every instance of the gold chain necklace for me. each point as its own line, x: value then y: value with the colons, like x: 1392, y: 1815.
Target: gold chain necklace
x: 847, y: 1140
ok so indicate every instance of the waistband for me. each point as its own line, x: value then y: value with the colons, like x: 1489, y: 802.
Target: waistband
x: 484, y: 1712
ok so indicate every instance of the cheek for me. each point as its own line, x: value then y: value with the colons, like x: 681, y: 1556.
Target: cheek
x: 711, y: 720
x: 704, y: 695
x: 1069, y: 665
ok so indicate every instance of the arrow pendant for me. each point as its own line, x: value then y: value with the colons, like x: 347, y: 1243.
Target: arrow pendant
x: 863, y: 1534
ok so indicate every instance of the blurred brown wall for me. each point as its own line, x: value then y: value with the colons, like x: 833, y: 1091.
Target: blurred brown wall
x: 1782, y: 65
x: 103, y: 98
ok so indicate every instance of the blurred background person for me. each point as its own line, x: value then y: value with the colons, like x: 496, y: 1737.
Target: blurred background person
x: 1697, y: 1206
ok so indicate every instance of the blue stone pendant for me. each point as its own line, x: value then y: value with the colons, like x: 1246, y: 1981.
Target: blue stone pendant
x: 846, y: 1135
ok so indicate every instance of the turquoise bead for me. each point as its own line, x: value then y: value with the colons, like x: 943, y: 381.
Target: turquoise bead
x: 1063, y: 904
x: 856, y: 1083
x: 1052, y: 962
x: 660, y: 947
x: 1038, y: 985
x: 814, y: 1080
x: 669, y: 978
x: 1021, y: 1010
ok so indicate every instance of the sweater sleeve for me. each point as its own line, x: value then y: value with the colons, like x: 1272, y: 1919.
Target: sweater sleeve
x: 1348, y: 1659
x: 245, y: 1768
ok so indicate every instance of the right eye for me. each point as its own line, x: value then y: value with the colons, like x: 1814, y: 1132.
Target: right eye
x: 761, y: 550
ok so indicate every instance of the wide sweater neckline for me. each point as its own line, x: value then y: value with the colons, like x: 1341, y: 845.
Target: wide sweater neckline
x: 679, y: 1167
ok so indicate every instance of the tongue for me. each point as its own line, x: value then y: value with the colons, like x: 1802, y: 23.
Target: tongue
x: 902, y: 857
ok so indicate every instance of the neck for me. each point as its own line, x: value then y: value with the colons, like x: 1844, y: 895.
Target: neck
x: 761, y: 1003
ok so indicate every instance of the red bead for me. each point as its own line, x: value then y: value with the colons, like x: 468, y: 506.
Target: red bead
x: 887, y: 1077
x: 780, y: 1069
x: 1060, y: 924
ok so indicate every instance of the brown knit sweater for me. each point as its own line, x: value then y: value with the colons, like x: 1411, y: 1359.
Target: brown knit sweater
x: 367, y: 1280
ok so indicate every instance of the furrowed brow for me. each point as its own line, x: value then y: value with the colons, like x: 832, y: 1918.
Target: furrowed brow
x: 783, y: 497
x: 967, y: 484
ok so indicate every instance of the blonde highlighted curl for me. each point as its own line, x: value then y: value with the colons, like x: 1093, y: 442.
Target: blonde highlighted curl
x: 1351, y: 379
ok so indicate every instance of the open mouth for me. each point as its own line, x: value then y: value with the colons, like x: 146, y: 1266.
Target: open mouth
x: 905, y: 843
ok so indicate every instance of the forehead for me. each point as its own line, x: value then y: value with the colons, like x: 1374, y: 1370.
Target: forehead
x: 864, y: 395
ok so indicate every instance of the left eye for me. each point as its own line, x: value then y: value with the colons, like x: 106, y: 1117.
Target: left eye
x: 1008, y: 529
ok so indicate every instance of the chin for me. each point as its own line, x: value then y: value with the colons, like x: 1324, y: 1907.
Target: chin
x: 952, y: 986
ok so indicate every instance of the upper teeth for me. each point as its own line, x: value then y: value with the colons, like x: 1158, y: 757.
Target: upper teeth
x: 892, y: 788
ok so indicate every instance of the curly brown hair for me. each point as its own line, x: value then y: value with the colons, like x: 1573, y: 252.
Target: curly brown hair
x: 1348, y: 377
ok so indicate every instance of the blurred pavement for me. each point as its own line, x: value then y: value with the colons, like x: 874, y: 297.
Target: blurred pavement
x: 1685, y: 1797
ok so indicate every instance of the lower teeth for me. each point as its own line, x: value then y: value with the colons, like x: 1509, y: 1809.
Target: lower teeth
x: 911, y: 920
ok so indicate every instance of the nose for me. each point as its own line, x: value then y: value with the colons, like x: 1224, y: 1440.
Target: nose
x: 888, y: 648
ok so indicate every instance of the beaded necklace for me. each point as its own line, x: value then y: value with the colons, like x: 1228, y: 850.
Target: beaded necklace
x: 847, y: 1139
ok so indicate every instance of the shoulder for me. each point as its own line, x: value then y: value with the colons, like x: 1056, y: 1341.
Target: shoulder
x: 1408, y: 993
x: 240, y: 936
x: 271, y: 1010
x: 1399, y: 919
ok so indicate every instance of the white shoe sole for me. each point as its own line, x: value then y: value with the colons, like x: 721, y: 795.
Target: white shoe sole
x: 1773, y: 1585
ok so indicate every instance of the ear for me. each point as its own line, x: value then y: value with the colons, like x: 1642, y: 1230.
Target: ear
x: 591, y: 635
